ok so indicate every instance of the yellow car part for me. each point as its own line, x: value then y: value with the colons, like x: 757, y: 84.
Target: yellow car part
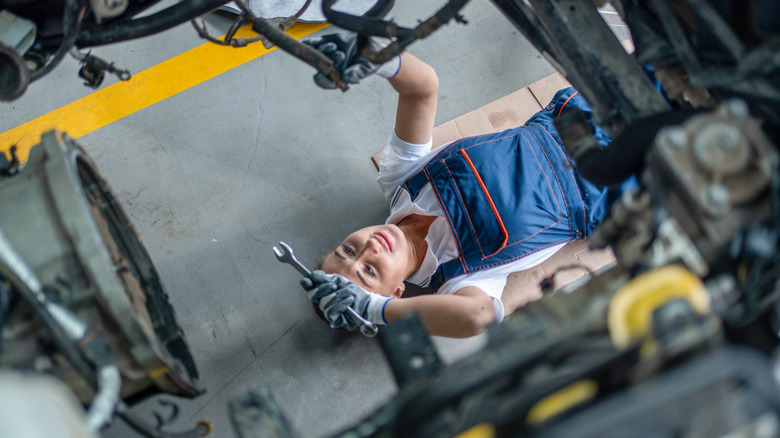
x: 630, y: 313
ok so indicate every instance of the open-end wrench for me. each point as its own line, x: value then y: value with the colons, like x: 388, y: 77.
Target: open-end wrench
x: 285, y: 255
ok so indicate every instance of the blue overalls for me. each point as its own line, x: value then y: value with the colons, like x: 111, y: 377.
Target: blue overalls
x: 509, y: 194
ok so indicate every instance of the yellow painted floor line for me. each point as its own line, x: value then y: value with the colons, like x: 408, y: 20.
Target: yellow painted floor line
x: 142, y: 90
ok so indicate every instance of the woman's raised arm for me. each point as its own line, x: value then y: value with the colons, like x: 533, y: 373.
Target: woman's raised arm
x: 417, y: 86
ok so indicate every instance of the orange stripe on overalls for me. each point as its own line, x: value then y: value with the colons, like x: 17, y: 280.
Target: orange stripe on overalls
x: 564, y: 103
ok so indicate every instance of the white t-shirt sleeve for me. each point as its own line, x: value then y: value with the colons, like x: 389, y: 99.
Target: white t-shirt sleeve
x: 491, y: 284
x: 493, y: 280
x: 400, y: 161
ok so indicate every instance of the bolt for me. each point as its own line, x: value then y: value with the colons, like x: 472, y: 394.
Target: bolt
x: 674, y: 137
x: 728, y: 138
x: 417, y: 361
x: 737, y: 109
x: 715, y: 143
x: 724, y: 137
x: 718, y: 195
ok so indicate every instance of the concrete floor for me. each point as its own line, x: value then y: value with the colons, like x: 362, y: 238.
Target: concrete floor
x: 216, y: 175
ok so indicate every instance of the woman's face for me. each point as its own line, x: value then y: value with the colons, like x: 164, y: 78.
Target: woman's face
x: 377, y: 258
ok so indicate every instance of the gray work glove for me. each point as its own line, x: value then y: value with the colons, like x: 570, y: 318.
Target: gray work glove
x: 334, y: 293
x: 342, y: 49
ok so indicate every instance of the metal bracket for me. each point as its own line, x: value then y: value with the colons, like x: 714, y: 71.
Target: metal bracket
x: 409, y: 350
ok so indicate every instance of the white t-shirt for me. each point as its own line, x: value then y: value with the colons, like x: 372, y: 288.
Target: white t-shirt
x: 402, y: 160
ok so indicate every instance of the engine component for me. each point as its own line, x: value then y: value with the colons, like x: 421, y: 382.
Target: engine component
x: 107, y: 8
x: 27, y: 399
x: 16, y: 37
x: 9, y: 167
x: 73, y: 16
x: 630, y: 314
x: 728, y: 160
x: 371, y: 24
x: 713, y: 171
x: 84, y: 263
x: 93, y: 69
x: 713, y: 50
x: 15, y: 32
x: 410, y: 356
x: 729, y: 392
x: 708, y: 179
x: 592, y: 59
x: 280, y: 24
x: 257, y: 414
x: 120, y: 20
x: 61, y: 25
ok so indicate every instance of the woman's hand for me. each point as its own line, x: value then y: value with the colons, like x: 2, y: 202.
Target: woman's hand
x: 334, y: 293
x: 342, y: 48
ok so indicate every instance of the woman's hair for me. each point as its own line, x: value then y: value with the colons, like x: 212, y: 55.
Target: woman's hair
x: 319, y: 262
x: 318, y: 265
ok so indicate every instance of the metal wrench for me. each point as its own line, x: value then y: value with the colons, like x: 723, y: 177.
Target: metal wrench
x: 285, y: 255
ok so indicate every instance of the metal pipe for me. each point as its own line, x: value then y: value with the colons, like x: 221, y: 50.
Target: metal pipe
x: 70, y: 324
x: 103, y: 405
x: 448, y: 12
x: 676, y: 34
x: 305, y: 53
x: 720, y: 29
x: 202, y: 429
x: 67, y: 329
x: 371, y: 25
x: 163, y: 20
x: 71, y: 22
x: 64, y: 327
x: 365, y: 25
x: 14, y: 262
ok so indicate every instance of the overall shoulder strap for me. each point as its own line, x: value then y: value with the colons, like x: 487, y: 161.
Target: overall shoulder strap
x: 414, y: 184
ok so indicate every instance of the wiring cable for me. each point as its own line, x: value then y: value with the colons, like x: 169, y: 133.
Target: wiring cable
x: 71, y: 23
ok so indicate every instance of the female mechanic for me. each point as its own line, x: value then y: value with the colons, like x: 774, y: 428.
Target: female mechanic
x: 463, y: 216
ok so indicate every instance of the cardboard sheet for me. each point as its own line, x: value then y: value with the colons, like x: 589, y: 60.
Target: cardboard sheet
x: 508, y: 112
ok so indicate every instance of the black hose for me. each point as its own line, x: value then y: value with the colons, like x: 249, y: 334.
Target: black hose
x: 774, y: 201
x: 5, y: 306
x: 70, y: 25
x: 200, y: 430
x: 368, y: 24
x: 626, y: 155
x: 380, y: 9
x: 141, y: 27
x: 5, y: 301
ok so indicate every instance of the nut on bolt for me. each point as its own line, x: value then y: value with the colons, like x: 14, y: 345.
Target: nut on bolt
x: 717, y: 195
x: 736, y: 108
x: 674, y: 137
